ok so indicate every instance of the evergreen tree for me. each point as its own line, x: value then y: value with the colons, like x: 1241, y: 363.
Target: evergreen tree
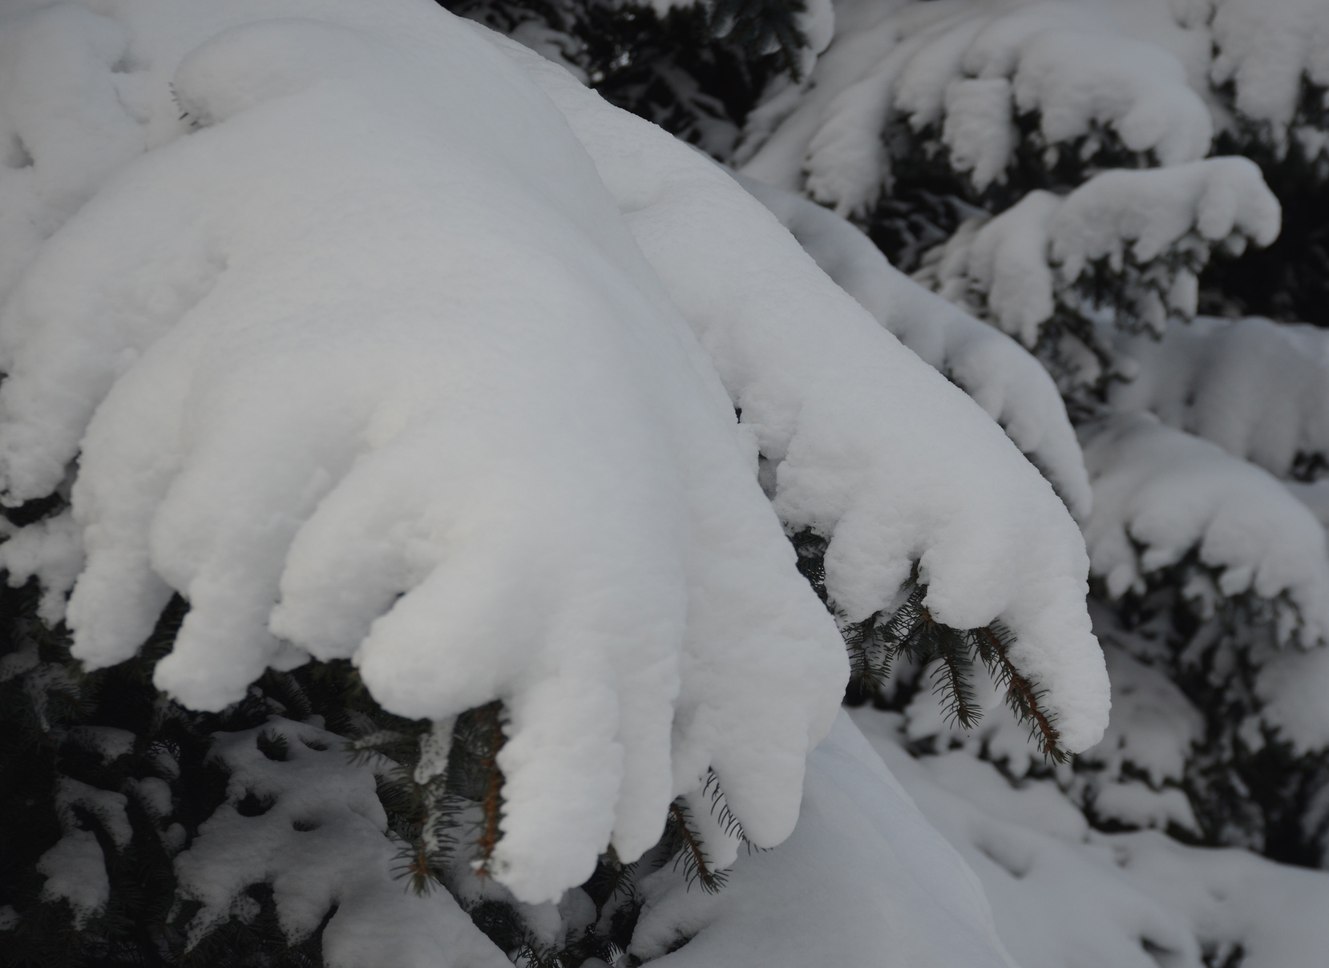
x: 1105, y: 186
x: 579, y: 656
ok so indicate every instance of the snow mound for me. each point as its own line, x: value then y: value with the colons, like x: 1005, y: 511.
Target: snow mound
x: 1161, y: 495
x: 347, y: 365
x: 1021, y: 266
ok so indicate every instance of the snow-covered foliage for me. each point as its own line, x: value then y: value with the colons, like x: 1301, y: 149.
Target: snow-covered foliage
x: 365, y: 335
x: 1063, y: 893
x: 1127, y: 243
x: 327, y: 351
x: 856, y: 822
x: 260, y: 423
x: 984, y: 87
x: 1161, y: 495
x: 334, y: 875
x: 1258, y: 389
x: 1001, y: 377
x: 842, y: 477
x: 1057, y: 170
x: 1271, y: 61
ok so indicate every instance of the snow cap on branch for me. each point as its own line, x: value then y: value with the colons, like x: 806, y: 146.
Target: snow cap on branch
x: 358, y: 374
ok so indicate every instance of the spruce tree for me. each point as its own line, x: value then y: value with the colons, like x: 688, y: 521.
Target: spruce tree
x: 1101, y: 229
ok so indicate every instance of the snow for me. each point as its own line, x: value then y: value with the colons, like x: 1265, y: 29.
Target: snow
x: 1155, y: 725
x: 816, y: 398
x: 348, y: 366
x: 1256, y: 388
x: 1063, y: 895
x: 1267, y: 51
x: 1291, y: 684
x: 246, y: 433
x: 1002, y: 266
x: 51, y: 551
x: 107, y: 742
x: 61, y: 145
x: 321, y: 845
x: 970, y: 69
x: 1021, y: 265
x: 106, y: 805
x: 1144, y: 213
x: 863, y: 859
x: 1161, y: 494
x: 76, y: 872
x: 1004, y: 379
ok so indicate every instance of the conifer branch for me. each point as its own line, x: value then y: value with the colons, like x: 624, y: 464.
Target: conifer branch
x: 692, y: 854
x: 1023, y: 698
x: 733, y: 827
x: 950, y: 676
x: 491, y: 802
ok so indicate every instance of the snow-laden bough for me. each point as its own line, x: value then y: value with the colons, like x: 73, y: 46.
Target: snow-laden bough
x: 348, y: 366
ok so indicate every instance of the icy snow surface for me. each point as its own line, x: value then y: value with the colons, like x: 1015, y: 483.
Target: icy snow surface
x: 366, y: 358
x: 836, y: 404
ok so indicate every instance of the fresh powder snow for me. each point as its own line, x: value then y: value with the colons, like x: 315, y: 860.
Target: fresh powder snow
x: 322, y: 346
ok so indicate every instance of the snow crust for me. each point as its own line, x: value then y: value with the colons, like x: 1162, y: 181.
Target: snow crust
x: 348, y: 366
